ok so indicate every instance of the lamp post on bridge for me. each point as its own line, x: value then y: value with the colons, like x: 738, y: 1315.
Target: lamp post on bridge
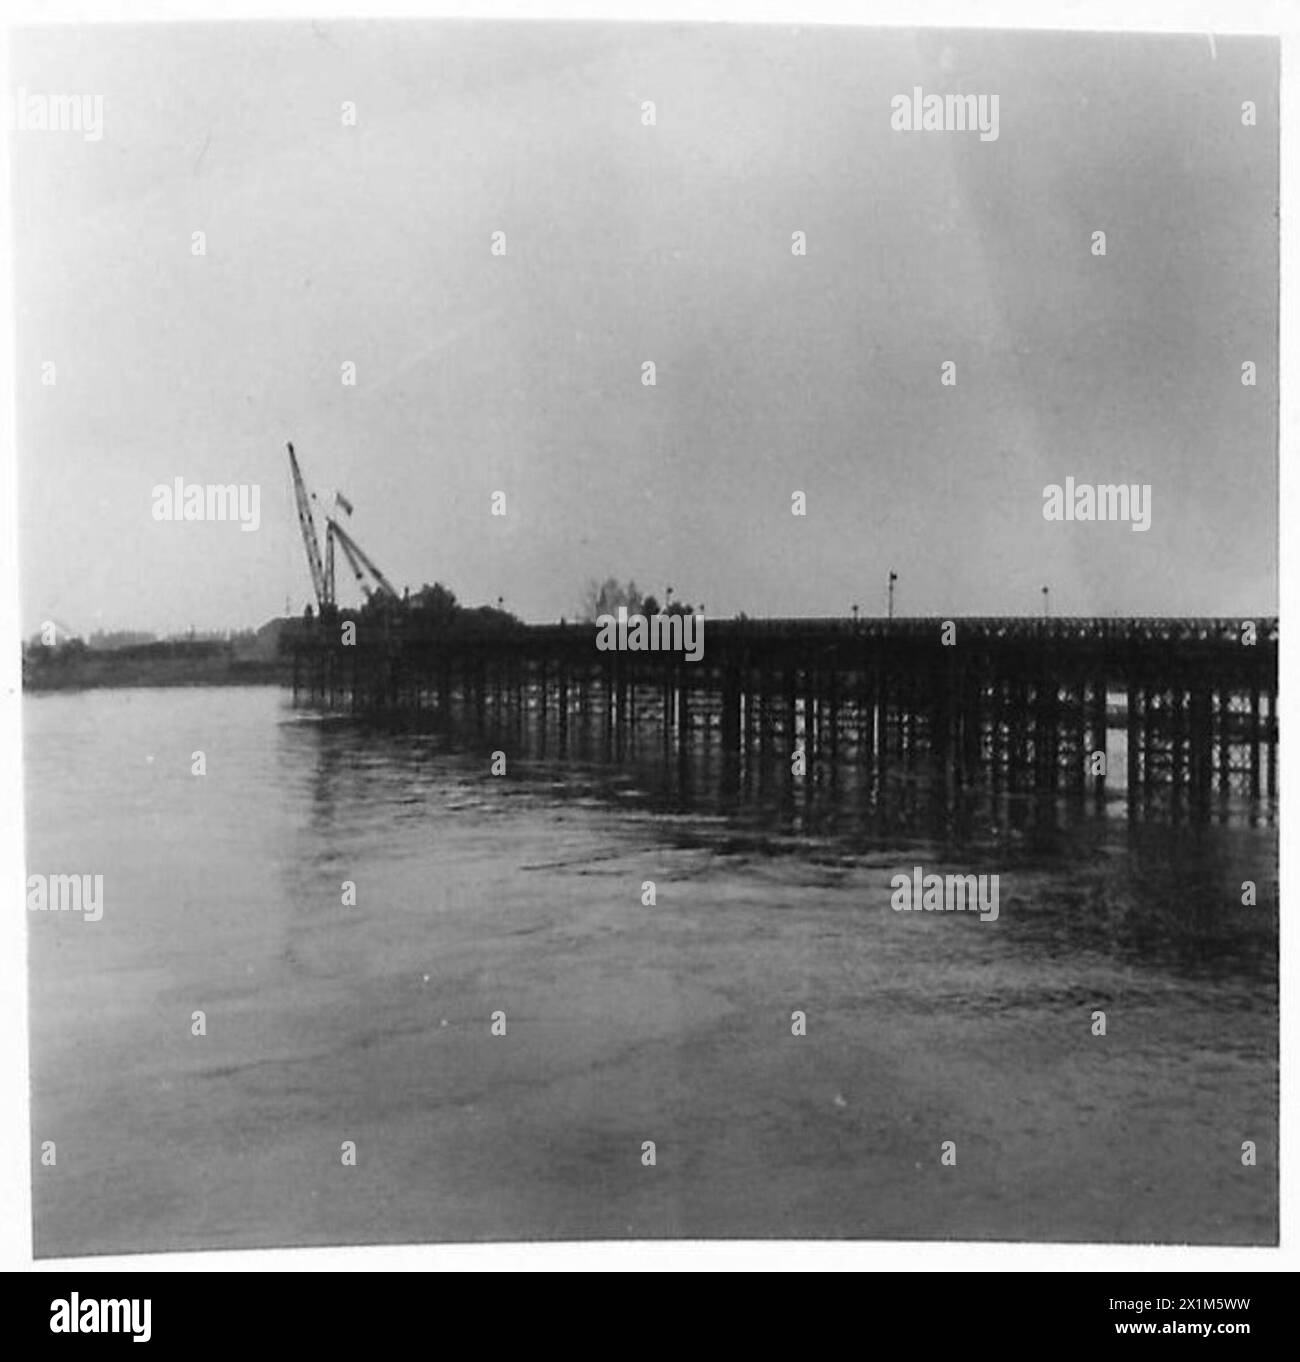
x: 893, y: 577
x: 1047, y: 603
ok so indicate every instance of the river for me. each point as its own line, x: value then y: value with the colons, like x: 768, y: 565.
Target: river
x: 330, y: 1024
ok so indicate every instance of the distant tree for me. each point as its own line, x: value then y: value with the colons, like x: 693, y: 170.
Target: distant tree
x: 436, y: 604
x: 119, y: 638
x: 435, y: 608
x: 487, y: 619
x: 38, y: 651
x: 650, y: 606
x: 604, y: 598
x: 192, y: 635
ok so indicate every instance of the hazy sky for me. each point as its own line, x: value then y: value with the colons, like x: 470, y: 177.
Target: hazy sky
x: 628, y: 243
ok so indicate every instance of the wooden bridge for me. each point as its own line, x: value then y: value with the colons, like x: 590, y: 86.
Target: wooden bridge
x: 1025, y: 703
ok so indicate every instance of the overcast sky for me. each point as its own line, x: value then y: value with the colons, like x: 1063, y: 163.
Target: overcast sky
x: 626, y: 243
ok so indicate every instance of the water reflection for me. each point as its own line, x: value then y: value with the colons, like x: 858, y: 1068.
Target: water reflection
x: 1087, y: 875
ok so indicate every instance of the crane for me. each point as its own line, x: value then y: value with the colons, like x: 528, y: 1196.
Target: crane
x: 322, y: 573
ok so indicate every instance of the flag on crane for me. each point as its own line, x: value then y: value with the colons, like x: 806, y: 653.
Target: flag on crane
x: 341, y: 500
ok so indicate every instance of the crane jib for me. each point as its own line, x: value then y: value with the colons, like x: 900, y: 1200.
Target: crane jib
x: 322, y: 573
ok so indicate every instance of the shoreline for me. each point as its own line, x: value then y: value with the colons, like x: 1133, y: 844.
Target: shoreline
x: 93, y: 674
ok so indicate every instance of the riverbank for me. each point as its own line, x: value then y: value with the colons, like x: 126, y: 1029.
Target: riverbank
x: 160, y: 664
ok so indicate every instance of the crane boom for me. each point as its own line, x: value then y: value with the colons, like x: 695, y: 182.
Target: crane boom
x: 359, y: 559
x: 357, y: 570
x: 307, y: 523
x: 329, y: 563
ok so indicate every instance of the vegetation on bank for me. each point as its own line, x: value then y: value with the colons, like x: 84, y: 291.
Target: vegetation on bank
x: 179, y: 662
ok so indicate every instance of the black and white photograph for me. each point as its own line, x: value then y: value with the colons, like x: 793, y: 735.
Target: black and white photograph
x: 646, y: 631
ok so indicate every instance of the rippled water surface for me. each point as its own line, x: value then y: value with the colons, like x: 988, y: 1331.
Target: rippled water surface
x: 625, y: 1022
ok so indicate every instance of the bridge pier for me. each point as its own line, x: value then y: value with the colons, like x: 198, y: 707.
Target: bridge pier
x: 1254, y: 742
x: 989, y: 708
